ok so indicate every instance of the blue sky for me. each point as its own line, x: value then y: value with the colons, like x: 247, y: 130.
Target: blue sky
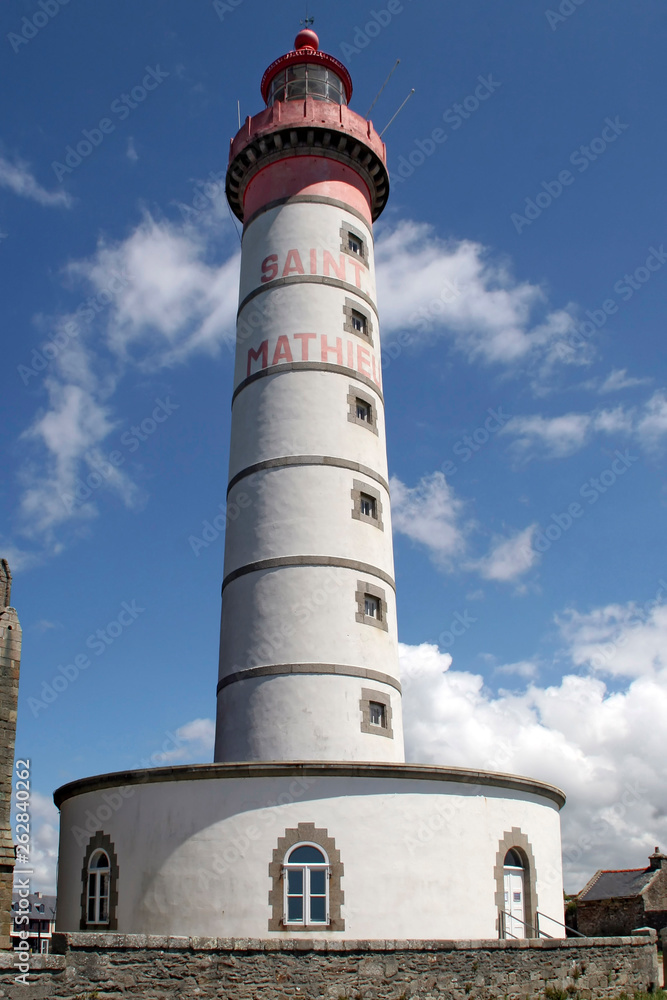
x: 522, y: 274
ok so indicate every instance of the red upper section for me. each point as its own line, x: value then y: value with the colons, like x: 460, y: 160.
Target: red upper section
x: 283, y: 114
x: 306, y: 50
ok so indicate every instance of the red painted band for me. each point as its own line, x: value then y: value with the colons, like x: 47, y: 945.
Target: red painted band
x: 307, y: 175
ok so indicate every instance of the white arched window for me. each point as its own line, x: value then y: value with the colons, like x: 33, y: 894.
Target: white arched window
x: 306, y: 881
x: 99, y: 872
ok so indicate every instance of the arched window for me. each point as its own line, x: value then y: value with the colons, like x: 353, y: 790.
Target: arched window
x: 306, y: 881
x: 513, y: 859
x: 99, y: 876
x: 99, y: 885
x: 306, y: 875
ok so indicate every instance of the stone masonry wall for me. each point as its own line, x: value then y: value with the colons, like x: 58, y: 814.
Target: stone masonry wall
x: 607, y: 917
x: 118, y: 967
x: 10, y: 661
x: 655, y: 900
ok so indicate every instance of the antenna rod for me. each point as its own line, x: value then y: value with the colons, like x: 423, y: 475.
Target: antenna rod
x: 382, y: 88
x: 397, y: 113
x: 238, y: 108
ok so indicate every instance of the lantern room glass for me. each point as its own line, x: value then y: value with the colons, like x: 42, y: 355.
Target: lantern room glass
x: 306, y: 80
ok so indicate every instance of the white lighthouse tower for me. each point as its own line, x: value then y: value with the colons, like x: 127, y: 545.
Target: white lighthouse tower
x: 309, y: 642
x: 309, y: 823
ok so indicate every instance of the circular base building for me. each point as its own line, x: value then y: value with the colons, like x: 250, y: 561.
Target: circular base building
x: 270, y: 850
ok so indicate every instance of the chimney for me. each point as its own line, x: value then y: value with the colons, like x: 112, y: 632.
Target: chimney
x: 657, y: 860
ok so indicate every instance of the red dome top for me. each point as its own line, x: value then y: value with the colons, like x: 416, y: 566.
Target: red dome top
x: 306, y: 50
x: 307, y: 39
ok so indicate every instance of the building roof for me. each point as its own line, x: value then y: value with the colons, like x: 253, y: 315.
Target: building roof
x: 611, y: 884
x: 37, y: 900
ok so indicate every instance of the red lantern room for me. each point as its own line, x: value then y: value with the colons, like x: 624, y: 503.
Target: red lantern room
x: 307, y: 72
x: 307, y: 117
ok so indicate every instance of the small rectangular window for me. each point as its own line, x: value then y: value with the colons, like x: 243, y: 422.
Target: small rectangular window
x: 363, y: 411
x: 359, y: 323
x: 378, y: 714
x: 375, y: 709
x: 355, y: 245
x: 368, y: 505
x: 371, y: 606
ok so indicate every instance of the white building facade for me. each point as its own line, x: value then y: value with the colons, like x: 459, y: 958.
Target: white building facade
x: 309, y: 821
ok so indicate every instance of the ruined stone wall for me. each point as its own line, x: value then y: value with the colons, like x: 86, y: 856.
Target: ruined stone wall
x: 655, y: 896
x: 612, y: 917
x: 609, y: 917
x: 118, y: 967
x: 10, y: 661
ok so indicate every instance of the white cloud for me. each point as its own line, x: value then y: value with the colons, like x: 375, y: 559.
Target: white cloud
x: 68, y: 433
x: 456, y: 289
x: 604, y: 748
x: 653, y: 423
x: 44, y: 625
x: 130, y: 151
x: 522, y: 668
x: 619, y: 379
x: 620, y: 640
x: 192, y: 743
x: 175, y: 302
x: 510, y: 557
x: 44, y: 822
x: 157, y: 297
x: 430, y: 515
x: 560, y: 436
x: 18, y: 178
x: 554, y: 437
x: 18, y: 558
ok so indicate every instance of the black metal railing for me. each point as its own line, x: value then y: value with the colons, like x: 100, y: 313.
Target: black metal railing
x: 538, y: 932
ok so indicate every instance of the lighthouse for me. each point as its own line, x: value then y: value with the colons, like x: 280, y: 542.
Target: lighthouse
x: 309, y: 824
x: 309, y: 641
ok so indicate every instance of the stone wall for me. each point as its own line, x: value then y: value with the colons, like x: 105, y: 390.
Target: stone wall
x: 655, y: 900
x: 117, y: 967
x: 608, y: 917
x: 10, y: 661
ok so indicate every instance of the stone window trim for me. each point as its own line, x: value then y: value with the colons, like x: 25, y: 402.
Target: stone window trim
x: 364, y: 589
x: 305, y: 833
x: 367, y: 696
x: 517, y: 841
x: 359, y: 488
x: 353, y: 395
x: 346, y: 230
x: 350, y: 307
x: 100, y: 842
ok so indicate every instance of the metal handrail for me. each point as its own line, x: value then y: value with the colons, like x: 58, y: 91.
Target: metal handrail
x: 504, y: 933
x: 564, y: 926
